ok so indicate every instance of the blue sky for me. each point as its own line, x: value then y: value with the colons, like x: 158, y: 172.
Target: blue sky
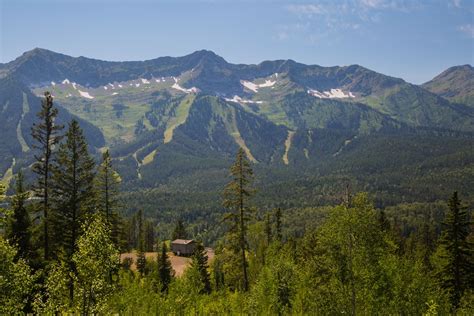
x: 411, y: 39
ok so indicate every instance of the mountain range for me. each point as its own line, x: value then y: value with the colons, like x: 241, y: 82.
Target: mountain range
x: 174, y: 124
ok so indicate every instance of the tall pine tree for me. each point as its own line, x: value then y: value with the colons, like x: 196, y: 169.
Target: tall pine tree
x: 107, y: 188
x: 73, y: 192
x: 46, y: 134
x: 456, y: 275
x: 236, y: 197
x: 141, y: 259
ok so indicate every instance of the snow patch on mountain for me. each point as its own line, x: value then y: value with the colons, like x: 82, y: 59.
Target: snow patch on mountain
x: 115, y: 93
x: 105, y: 88
x: 268, y: 83
x: 254, y: 86
x: 331, y: 94
x: 238, y: 99
x: 85, y: 94
x: 191, y: 90
x: 178, y: 87
x: 144, y: 81
x: 53, y: 83
x: 66, y: 81
x: 74, y: 85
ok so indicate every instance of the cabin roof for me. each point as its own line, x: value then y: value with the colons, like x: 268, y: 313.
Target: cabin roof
x: 182, y: 241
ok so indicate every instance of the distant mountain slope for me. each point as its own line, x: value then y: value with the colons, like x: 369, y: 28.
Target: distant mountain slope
x: 172, y: 119
x: 455, y: 84
x: 18, y: 109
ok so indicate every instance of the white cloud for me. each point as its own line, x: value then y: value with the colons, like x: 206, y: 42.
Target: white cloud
x: 372, y: 3
x: 325, y: 20
x: 307, y: 9
x: 457, y: 3
x: 467, y: 29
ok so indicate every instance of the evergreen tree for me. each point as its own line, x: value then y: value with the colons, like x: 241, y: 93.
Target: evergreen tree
x: 456, y: 275
x: 73, y: 177
x: 268, y: 228
x: 107, y: 187
x: 19, y: 229
x: 383, y: 220
x: 141, y: 259
x: 179, y: 230
x: 236, y: 196
x: 6, y: 213
x: 46, y: 134
x: 200, y: 264
x: 141, y: 262
x: 149, y: 236
x: 132, y: 232
x: 278, y: 224
x: 165, y: 271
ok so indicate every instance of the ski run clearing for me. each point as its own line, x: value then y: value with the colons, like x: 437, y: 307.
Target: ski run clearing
x: 288, y: 146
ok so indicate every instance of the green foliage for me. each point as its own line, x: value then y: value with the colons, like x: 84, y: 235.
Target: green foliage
x: 456, y: 272
x: 6, y: 213
x: 278, y: 233
x: 96, y: 260
x: 19, y: 230
x: 55, y: 298
x: 179, y: 230
x: 141, y: 262
x: 275, y: 287
x: 199, y: 270
x: 16, y: 280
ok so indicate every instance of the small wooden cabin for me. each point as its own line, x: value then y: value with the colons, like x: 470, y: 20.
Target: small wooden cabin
x: 183, y: 247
